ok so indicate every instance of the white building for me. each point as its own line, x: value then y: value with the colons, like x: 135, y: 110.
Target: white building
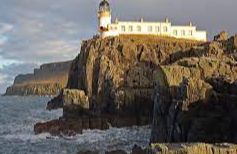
x: 107, y: 28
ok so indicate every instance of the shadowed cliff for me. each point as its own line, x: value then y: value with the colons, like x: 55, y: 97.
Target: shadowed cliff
x: 195, y: 97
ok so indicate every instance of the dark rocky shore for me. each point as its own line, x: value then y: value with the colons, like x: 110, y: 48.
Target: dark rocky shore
x: 49, y: 79
x: 186, y: 89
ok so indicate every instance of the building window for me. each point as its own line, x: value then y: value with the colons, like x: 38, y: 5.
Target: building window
x: 157, y: 29
x: 175, y: 32
x: 149, y: 28
x: 165, y: 28
x: 123, y: 28
x: 139, y: 28
x: 130, y: 28
x: 183, y: 32
x: 191, y: 33
x: 112, y: 28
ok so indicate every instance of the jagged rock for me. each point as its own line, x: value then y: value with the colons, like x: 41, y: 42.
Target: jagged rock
x: 191, y: 102
x: 49, y: 79
x: 116, y: 152
x: 59, y: 127
x: 194, y: 148
x: 74, y: 97
x: 88, y: 152
x: 178, y: 148
x: 75, y: 125
x: 55, y: 103
x: 138, y: 150
x: 223, y: 85
x: 174, y: 94
x: 70, y: 127
x: 222, y: 36
x: 115, y: 74
x: 233, y: 43
x: 70, y: 100
x: 122, y: 78
x: 74, y: 100
x: 215, y: 49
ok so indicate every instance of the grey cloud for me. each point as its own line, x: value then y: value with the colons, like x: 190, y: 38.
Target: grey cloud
x: 4, y: 27
x: 42, y: 27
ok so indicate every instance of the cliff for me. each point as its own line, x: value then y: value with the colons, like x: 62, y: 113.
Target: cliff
x: 194, y: 148
x: 110, y: 82
x: 178, y: 148
x: 49, y: 79
x: 186, y: 89
x: 195, y: 98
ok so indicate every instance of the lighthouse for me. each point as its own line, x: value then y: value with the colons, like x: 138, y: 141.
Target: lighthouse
x: 104, y: 17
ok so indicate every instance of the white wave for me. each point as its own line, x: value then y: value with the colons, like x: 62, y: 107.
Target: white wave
x: 28, y: 137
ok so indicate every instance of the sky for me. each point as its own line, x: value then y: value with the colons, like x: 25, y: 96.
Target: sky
x: 33, y: 32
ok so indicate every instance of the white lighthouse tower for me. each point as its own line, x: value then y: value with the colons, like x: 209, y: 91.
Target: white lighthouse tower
x: 104, y: 19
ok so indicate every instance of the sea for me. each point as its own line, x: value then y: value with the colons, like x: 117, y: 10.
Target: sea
x: 19, y: 114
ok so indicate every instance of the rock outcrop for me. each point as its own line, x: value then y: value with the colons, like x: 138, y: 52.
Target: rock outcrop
x: 194, y: 148
x: 114, y: 75
x: 178, y: 148
x: 222, y: 36
x: 187, y: 88
x: 49, y: 79
x: 195, y: 97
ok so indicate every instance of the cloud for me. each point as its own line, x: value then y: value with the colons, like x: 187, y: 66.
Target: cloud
x: 4, y: 27
x: 37, y: 41
x: 45, y: 31
x: 2, y: 78
x: 3, y: 40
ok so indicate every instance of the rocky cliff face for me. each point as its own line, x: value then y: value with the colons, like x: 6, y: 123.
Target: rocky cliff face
x: 194, y: 148
x: 196, y: 97
x: 188, y: 88
x: 178, y: 148
x: 114, y: 78
x: 116, y: 73
x: 49, y: 79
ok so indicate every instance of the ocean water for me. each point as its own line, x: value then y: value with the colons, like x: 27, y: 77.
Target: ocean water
x: 19, y: 114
